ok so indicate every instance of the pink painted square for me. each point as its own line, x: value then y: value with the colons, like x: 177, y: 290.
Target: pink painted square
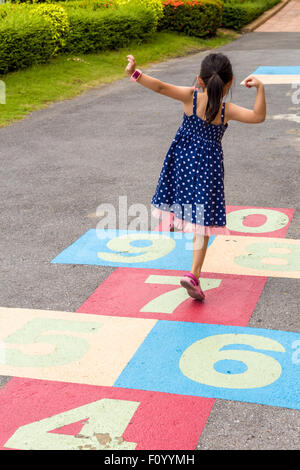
x: 249, y: 221
x: 258, y: 221
x: 46, y: 415
x: 157, y: 294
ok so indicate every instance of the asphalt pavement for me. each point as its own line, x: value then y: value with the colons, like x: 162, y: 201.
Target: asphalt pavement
x: 59, y: 164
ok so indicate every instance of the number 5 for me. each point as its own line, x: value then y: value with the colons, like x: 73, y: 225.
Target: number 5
x: 67, y: 348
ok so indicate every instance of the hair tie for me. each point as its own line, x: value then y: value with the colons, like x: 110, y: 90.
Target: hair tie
x: 215, y: 73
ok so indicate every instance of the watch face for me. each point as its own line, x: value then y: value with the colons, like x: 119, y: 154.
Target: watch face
x: 136, y: 74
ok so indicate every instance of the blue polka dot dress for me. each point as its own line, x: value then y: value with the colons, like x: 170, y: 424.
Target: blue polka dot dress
x: 191, y: 183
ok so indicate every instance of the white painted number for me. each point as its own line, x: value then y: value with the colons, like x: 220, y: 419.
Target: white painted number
x: 106, y: 421
x: 40, y: 331
x: 275, y: 220
x: 198, y: 361
x: 169, y: 301
x: 160, y: 246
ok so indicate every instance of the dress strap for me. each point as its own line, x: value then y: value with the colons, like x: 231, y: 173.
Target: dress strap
x: 223, y: 113
x: 195, y: 101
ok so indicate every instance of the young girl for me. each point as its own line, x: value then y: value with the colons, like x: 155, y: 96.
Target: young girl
x: 191, y: 183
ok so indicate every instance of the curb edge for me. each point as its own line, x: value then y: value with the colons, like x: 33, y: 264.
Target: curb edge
x: 264, y: 17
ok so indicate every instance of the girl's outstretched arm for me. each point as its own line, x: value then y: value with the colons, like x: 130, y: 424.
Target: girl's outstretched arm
x: 181, y: 93
x: 258, y: 114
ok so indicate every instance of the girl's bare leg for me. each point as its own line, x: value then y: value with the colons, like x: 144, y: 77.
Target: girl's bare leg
x: 200, y: 243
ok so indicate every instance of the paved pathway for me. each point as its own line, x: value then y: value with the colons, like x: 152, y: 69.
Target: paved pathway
x: 101, y: 345
x: 286, y: 20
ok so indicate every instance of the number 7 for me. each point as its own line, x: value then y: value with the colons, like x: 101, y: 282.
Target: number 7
x: 169, y: 301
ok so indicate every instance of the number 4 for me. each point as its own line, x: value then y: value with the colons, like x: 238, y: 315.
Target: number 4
x: 107, y: 420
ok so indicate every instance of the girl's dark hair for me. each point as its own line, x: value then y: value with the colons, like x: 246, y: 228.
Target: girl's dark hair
x: 216, y: 72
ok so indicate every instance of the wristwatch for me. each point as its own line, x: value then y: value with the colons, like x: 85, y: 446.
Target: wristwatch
x: 136, y: 75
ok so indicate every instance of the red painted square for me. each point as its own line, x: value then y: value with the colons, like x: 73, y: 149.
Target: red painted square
x: 125, y: 292
x: 162, y: 421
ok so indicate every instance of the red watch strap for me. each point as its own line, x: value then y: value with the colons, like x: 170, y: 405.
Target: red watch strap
x: 136, y: 75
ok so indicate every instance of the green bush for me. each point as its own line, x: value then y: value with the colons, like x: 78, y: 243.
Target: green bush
x: 26, y: 39
x: 35, y: 1
x: 58, y: 21
x: 92, y: 31
x: 155, y: 5
x: 238, y: 13
x: 200, y: 18
x: 4, y: 9
x: 89, y: 4
x: 32, y: 34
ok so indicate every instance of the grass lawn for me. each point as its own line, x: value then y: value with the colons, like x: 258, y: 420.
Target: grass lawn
x: 67, y: 76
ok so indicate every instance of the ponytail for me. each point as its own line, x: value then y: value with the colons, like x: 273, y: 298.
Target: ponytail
x: 216, y: 72
x: 215, y: 87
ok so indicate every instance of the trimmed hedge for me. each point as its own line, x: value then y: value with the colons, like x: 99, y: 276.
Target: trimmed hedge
x: 57, y: 19
x: 26, y: 39
x: 155, y: 5
x: 200, y: 18
x: 32, y: 34
x: 92, y: 31
x: 237, y: 14
x: 36, y: 1
x: 89, y: 4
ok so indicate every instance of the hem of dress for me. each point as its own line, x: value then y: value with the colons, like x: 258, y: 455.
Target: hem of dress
x: 169, y: 220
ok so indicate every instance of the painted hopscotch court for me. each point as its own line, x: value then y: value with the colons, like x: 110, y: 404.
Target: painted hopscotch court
x: 239, y: 251
x: 140, y: 363
x: 277, y: 75
x: 237, y: 363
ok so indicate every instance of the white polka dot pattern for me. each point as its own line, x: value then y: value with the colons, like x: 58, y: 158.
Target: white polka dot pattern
x: 191, y: 183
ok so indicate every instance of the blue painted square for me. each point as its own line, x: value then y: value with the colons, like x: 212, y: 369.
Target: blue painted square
x: 129, y: 248
x: 271, y: 70
x: 262, y: 367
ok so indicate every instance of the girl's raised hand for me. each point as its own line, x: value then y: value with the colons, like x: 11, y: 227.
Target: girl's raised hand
x: 252, y: 82
x: 130, y: 69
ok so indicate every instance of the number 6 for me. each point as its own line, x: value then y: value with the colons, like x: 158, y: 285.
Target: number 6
x: 198, y: 360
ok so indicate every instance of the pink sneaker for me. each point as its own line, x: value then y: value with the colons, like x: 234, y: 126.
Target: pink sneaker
x: 192, y: 285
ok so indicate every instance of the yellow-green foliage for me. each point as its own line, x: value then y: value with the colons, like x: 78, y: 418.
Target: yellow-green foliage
x: 57, y: 19
x: 155, y: 5
x: 108, y: 28
x: 26, y: 39
x: 33, y: 32
x: 88, y: 4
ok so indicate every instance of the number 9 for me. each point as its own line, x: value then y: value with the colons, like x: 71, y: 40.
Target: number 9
x: 161, y: 245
